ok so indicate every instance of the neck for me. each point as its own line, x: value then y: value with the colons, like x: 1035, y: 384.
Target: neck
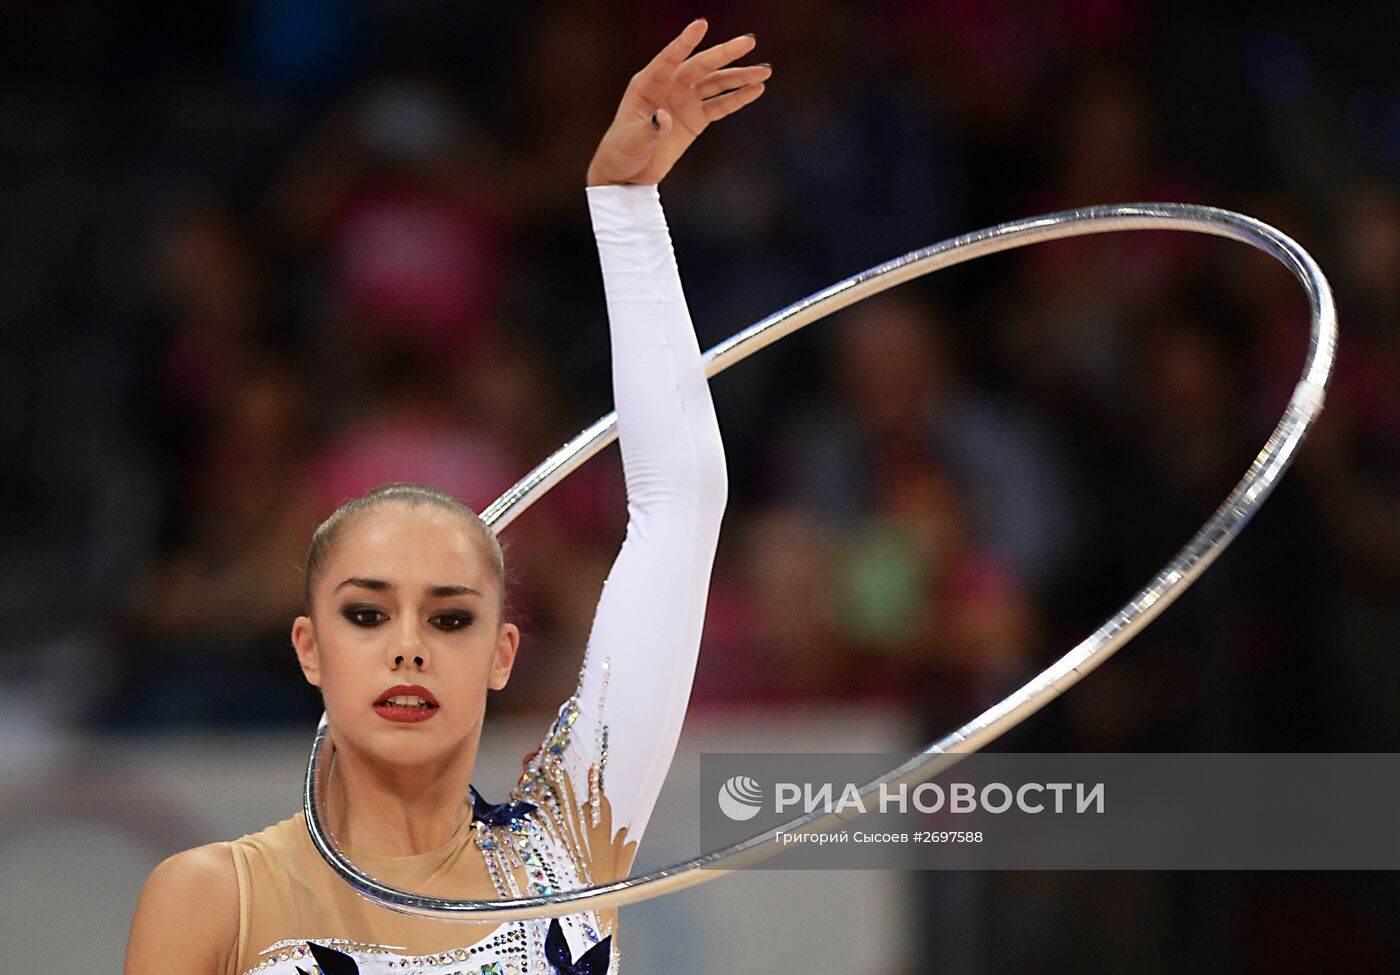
x: 396, y: 810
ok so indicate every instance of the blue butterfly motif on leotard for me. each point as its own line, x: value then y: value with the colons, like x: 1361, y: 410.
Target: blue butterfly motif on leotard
x: 498, y: 815
x: 594, y: 961
x: 332, y: 962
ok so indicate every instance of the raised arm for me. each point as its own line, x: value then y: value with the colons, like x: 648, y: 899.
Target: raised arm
x: 615, y: 737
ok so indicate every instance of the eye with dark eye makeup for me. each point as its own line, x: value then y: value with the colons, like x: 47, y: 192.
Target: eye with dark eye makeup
x: 452, y: 621
x: 365, y: 616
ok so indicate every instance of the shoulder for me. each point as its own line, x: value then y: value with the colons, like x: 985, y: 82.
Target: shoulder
x: 279, y: 837
x: 198, y: 867
x: 187, y: 918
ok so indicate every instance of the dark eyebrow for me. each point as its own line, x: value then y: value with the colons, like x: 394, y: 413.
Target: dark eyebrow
x: 440, y: 591
x: 379, y: 585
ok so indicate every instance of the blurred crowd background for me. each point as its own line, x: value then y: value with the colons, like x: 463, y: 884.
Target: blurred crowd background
x: 258, y: 257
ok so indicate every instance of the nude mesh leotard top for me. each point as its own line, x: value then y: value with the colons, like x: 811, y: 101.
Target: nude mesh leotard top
x: 585, y: 797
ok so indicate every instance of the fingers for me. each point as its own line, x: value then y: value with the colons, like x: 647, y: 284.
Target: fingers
x: 711, y: 59
x: 673, y: 55
x: 721, y: 105
x: 728, y: 79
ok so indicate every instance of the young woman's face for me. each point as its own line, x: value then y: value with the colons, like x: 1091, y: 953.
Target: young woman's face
x: 406, y: 599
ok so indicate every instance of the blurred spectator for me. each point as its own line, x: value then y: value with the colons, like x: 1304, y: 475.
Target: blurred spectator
x: 400, y: 194
x: 407, y: 427
x: 209, y: 637
x: 772, y: 625
x: 214, y: 310
x: 902, y: 394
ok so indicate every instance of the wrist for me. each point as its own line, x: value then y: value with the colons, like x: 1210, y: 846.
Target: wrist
x: 601, y: 178
x: 603, y: 173
x: 598, y: 174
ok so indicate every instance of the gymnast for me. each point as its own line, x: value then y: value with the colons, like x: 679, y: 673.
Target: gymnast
x: 404, y: 634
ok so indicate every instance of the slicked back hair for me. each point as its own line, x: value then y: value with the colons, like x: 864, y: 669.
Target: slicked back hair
x: 324, y: 539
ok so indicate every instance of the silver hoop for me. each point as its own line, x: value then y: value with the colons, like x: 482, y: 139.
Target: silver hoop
x: 1222, y: 527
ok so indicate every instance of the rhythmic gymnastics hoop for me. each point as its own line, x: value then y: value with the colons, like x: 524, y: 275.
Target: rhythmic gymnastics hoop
x: 1244, y: 500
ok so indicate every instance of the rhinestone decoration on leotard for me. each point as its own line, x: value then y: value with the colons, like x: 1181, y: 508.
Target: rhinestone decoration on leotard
x: 600, y: 751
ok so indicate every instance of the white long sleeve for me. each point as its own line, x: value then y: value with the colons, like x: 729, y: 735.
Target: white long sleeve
x: 619, y: 731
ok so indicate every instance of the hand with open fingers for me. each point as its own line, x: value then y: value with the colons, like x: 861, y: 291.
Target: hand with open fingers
x: 670, y: 102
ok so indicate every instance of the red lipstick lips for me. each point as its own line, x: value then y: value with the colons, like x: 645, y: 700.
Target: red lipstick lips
x: 406, y: 713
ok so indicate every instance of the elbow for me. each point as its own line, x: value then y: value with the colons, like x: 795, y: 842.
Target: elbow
x: 712, y: 472
x: 680, y: 475
x: 692, y: 489
x: 719, y: 485
x: 713, y: 493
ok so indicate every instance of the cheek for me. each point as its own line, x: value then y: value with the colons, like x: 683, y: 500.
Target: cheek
x: 345, y: 669
x: 465, y: 673
x: 464, y: 667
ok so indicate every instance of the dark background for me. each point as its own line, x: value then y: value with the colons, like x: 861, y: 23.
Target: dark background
x: 258, y: 257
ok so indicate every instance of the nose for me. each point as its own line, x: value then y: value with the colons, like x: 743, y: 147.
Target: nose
x: 409, y: 646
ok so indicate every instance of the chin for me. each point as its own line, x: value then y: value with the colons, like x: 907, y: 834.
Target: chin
x: 409, y: 745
